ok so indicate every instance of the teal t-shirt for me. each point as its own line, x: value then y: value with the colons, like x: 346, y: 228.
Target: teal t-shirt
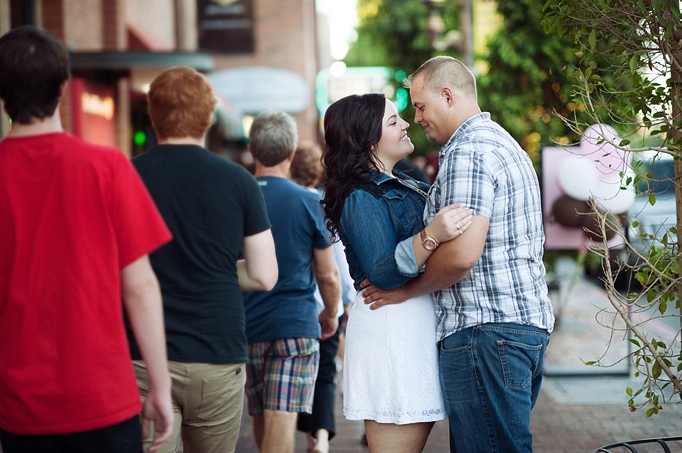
x: 298, y: 227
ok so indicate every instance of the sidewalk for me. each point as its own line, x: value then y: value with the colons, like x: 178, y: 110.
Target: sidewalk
x: 557, y: 426
x: 580, y: 407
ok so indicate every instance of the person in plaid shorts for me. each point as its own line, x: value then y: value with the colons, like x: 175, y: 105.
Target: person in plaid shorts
x: 283, y: 327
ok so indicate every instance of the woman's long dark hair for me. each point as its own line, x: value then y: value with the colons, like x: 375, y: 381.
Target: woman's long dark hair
x: 351, y: 126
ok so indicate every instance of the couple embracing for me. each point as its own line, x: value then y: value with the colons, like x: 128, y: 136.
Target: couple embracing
x: 452, y: 317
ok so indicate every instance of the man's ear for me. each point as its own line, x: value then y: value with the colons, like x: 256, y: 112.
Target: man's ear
x: 290, y: 158
x: 448, y: 94
x: 62, y: 88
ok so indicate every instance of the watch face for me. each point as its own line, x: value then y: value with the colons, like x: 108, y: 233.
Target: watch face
x: 429, y: 244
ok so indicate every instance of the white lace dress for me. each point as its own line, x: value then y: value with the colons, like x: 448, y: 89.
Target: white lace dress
x: 390, y: 368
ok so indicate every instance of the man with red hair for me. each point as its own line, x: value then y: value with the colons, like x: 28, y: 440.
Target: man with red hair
x: 215, y: 210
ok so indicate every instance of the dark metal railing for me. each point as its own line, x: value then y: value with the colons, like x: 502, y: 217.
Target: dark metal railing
x: 628, y: 446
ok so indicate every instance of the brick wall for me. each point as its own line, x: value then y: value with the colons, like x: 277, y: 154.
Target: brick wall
x: 284, y: 33
x: 83, y: 28
x: 53, y: 17
x: 115, y: 36
x: 284, y: 38
x: 154, y: 20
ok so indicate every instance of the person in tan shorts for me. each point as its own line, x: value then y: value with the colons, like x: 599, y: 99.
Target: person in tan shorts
x: 215, y: 210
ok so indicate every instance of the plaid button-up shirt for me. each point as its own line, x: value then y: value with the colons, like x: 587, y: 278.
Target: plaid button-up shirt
x: 483, y: 167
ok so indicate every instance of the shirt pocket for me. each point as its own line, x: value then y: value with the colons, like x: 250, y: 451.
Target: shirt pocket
x: 405, y: 212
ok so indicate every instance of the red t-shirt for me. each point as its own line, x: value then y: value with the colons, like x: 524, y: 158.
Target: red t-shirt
x: 72, y: 215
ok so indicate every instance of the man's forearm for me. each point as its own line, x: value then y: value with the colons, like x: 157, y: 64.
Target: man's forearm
x: 142, y: 299
x: 427, y: 283
x: 442, y: 271
x: 330, y: 291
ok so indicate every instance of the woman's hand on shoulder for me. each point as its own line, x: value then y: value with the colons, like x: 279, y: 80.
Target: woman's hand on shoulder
x: 450, y: 223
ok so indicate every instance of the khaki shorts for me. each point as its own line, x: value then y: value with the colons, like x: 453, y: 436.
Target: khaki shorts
x: 207, y: 401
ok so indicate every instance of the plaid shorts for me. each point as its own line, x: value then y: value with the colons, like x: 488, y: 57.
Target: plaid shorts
x: 280, y: 375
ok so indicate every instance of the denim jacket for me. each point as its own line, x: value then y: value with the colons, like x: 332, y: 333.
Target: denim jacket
x: 376, y: 217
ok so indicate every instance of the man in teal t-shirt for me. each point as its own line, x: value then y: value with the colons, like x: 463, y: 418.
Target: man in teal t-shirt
x: 282, y: 325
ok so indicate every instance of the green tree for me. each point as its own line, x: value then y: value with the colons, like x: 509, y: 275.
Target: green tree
x: 629, y: 74
x: 526, y: 81
x: 393, y: 33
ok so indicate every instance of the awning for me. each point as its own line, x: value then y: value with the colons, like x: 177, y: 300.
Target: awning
x: 122, y: 60
x: 254, y: 89
x: 142, y: 66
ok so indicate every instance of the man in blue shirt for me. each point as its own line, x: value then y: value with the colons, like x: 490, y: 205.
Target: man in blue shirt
x: 283, y: 325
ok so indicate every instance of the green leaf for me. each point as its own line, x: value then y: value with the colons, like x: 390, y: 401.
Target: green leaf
x: 656, y: 371
x: 633, y: 63
x: 592, y: 40
x: 662, y: 308
x: 675, y: 8
x: 652, y: 199
x: 628, y: 391
x: 650, y: 296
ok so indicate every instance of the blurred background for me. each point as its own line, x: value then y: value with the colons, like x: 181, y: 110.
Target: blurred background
x: 299, y: 56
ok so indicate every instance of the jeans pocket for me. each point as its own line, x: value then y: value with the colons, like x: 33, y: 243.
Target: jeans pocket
x: 519, y: 360
x: 454, y: 344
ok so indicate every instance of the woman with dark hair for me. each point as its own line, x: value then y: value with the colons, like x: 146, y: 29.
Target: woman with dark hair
x: 390, y: 369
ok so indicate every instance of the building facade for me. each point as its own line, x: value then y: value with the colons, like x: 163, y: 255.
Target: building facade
x: 261, y: 53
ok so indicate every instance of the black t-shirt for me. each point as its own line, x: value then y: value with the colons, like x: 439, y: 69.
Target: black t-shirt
x: 209, y: 203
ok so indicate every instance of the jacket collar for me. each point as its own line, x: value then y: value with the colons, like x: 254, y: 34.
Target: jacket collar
x: 379, y: 177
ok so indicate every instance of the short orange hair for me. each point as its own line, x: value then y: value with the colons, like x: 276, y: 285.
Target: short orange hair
x: 180, y: 103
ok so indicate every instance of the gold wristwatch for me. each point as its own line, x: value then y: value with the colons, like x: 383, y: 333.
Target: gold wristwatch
x: 428, y: 242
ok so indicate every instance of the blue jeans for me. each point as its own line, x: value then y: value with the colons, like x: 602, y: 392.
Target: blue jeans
x: 490, y: 375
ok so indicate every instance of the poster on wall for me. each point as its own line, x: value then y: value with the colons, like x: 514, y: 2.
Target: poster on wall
x: 225, y: 26
x: 93, y: 109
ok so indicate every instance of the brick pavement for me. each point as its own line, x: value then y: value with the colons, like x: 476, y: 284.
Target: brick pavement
x: 573, y: 415
x: 591, y: 411
x: 557, y: 428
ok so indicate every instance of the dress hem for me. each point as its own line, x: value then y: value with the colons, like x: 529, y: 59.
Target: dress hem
x: 378, y: 419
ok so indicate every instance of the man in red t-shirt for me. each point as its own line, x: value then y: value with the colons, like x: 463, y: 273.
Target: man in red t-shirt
x: 76, y: 226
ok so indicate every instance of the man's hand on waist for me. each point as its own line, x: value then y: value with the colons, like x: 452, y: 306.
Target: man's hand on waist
x: 377, y: 298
